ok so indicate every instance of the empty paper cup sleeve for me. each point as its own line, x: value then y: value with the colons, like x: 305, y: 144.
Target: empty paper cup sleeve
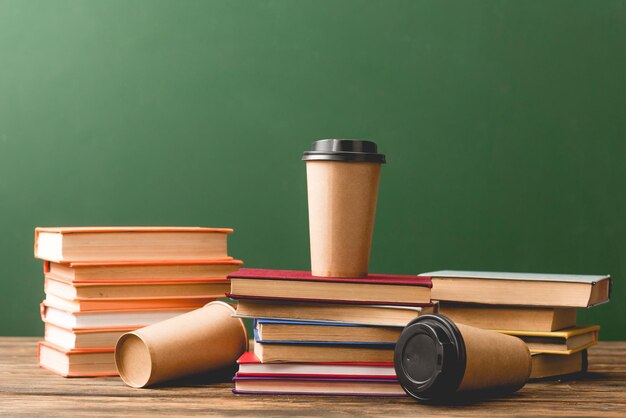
x: 206, y: 339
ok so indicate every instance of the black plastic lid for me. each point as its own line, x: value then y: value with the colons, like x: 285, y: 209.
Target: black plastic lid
x: 429, y: 358
x: 349, y: 150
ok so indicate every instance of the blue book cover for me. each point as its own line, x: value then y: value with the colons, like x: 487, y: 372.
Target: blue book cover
x: 296, y: 322
x: 381, y: 345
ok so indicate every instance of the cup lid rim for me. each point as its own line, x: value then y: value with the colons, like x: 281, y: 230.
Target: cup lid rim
x: 348, y: 150
x: 447, y: 376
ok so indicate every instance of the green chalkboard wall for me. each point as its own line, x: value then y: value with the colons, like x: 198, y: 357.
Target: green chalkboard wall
x: 504, y: 125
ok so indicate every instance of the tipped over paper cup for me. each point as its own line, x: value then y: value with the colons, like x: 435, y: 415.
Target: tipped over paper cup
x: 206, y: 339
x: 342, y: 187
x: 438, y: 360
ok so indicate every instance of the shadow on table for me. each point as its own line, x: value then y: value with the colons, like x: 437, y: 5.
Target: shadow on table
x: 224, y: 375
x: 575, y: 377
x: 483, y: 398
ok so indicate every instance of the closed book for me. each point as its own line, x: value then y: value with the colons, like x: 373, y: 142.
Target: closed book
x: 67, y: 244
x: 251, y: 366
x: 143, y: 289
x: 106, y: 319
x: 391, y: 316
x: 138, y: 271
x: 546, y: 366
x: 317, y: 386
x: 84, y: 339
x: 76, y: 363
x: 324, y: 332
x: 130, y: 304
x: 564, y: 342
x: 375, y: 289
x: 528, y: 289
x: 372, y: 344
x: 296, y: 353
x: 509, y: 317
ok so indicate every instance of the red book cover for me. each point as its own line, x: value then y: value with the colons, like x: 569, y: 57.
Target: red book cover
x: 250, y: 358
x: 386, y: 279
x: 324, y: 301
x: 251, y: 366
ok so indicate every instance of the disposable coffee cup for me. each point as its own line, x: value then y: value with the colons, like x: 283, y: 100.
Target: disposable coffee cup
x: 199, y: 341
x: 438, y: 360
x: 342, y: 185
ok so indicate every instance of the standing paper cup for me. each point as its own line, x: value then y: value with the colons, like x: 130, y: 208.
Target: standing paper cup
x: 437, y: 360
x: 342, y: 185
x: 206, y: 339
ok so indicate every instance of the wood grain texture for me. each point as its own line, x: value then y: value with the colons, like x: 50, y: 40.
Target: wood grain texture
x: 26, y: 389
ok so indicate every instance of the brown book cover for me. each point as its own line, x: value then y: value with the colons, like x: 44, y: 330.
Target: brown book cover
x: 503, y: 317
x: 550, y: 366
x: 66, y: 244
x: 293, y: 285
x: 528, y: 289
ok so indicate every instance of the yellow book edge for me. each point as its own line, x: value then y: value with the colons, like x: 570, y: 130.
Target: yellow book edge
x: 566, y: 333
x: 565, y: 352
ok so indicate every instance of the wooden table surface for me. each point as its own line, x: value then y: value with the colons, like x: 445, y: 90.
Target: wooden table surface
x: 26, y: 389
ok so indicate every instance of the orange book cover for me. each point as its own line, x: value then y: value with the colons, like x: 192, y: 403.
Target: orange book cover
x: 149, y: 271
x: 92, y: 330
x: 87, y: 283
x: 70, y: 353
x: 127, y: 304
x: 105, y: 229
x: 141, y: 290
x: 129, y: 243
x: 86, y: 339
x: 106, y: 319
x: 46, y: 304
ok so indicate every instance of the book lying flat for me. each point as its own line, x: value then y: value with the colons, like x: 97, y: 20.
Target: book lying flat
x: 324, y: 332
x: 137, y: 271
x: 391, y: 316
x: 562, y: 342
x: 290, y: 353
x: 106, y: 319
x: 372, y: 344
x: 555, y: 365
x: 88, y: 339
x: 66, y: 244
x: 317, y: 386
x: 110, y: 304
x: 509, y: 317
x: 76, y: 363
x: 144, y: 289
x: 531, y: 289
x: 251, y: 366
x: 375, y: 289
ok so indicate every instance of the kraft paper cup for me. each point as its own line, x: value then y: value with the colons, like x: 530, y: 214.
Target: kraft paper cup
x: 342, y: 185
x: 437, y: 360
x: 206, y: 339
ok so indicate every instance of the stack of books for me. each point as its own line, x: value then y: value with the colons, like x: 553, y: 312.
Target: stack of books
x: 538, y: 308
x: 102, y: 282
x: 321, y: 335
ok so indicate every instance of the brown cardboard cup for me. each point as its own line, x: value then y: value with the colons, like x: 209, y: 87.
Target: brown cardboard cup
x: 437, y: 360
x: 493, y: 360
x: 342, y: 194
x: 206, y: 339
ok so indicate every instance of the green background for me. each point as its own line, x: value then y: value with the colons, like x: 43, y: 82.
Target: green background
x: 503, y: 123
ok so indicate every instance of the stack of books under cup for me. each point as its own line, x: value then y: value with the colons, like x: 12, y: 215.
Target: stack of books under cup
x: 101, y: 282
x: 538, y: 308
x: 322, y: 335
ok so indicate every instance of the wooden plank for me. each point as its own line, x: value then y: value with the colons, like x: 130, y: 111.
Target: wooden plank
x: 26, y: 389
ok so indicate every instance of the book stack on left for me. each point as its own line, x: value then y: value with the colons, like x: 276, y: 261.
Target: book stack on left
x: 101, y: 282
x: 324, y: 335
